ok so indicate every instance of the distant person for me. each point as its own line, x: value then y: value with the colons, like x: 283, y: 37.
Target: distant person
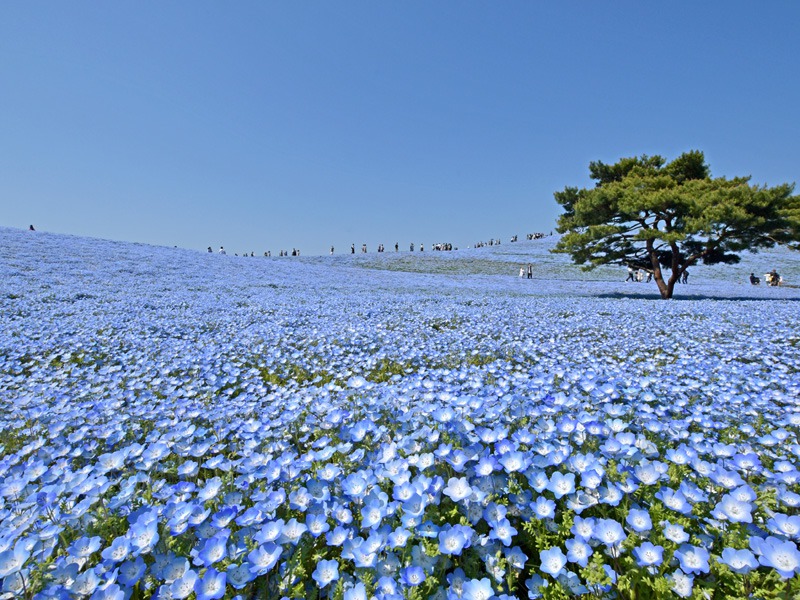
x: 631, y: 274
x: 522, y: 271
x: 685, y: 277
x: 331, y: 249
x: 210, y: 250
x: 396, y: 246
x: 411, y: 246
x: 530, y: 271
x: 222, y: 250
x: 754, y: 280
x: 352, y: 248
x: 774, y: 278
x: 30, y: 228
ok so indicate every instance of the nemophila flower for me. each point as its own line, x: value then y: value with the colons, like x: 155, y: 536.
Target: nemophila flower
x: 674, y: 532
x: 214, y: 550
x: 583, y: 528
x: 783, y: 524
x: 516, y: 557
x: 578, y: 551
x: 131, y: 571
x: 329, y: 472
x: 552, y: 561
x: 357, y: 592
x: 733, y: 510
x: 118, y: 550
x: 453, y: 539
x: 387, y: 586
x: 639, y: 520
x: 503, y: 531
x: 740, y: 561
x: 781, y: 555
x: 693, y: 559
x: 326, y: 572
x: 647, y: 473
x: 110, y: 592
x: 610, y: 495
x: 682, y: 584
x: 12, y: 561
x: 239, y: 575
x: 543, y: 508
x: 494, y: 513
x: 675, y: 500
x: 317, y: 524
x: 372, y: 514
x: 85, y: 583
x: 16, y: 584
x: 263, y: 558
x: 292, y: 531
x: 457, y: 489
x: 181, y: 588
x: 211, y: 586
x: 398, y: 538
x: 337, y: 536
x: 269, y: 532
x: 648, y: 555
x: 486, y: 465
x: 355, y: 485
x: 561, y: 484
x: 476, y: 589
x: 412, y: 575
x: 513, y: 461
x: 609, y: 532
x: 144, y: 536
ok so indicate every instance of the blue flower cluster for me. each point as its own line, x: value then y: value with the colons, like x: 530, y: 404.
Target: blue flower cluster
x: 182, y: 426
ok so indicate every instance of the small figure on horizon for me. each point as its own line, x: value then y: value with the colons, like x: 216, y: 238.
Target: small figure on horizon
x: 331, y: 249
x: 352, y: 248
x: 396, y: 246
x: 30, y: 228
x: 222, y: 250
x: 530, y: 271
x: 522, y: 271
x: 411, y: 247
x: 210, y: 250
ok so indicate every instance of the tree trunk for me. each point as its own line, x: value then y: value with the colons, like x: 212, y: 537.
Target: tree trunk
x: 664, y: 287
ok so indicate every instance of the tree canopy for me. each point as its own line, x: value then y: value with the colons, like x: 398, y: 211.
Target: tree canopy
x: 646, y: 213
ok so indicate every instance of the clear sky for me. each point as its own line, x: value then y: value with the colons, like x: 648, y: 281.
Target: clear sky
x: 272, y: 125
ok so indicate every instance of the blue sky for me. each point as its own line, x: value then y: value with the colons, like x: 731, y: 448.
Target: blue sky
x: 260, y: 125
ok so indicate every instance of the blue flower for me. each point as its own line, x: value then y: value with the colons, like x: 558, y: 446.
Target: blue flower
x: 477, y: 589
x: 561, y: 484
x: 503, y: 531
x: 639, y: 520
x: 578, y: 551
x: 326, y: 572
x: 182, y: 587
x: 693, y: 559
x: 782, y: 556
x: 457, y: 489
x: 552, y: 561
x: 211, y: 586
x: 453, y: 539
x: 412, y: 575
x: 263, y: 558
x: 213, y: 551
x: 11, y: 561
x: 740, y: 561
x: 648, y: 555
x: 609, y: 532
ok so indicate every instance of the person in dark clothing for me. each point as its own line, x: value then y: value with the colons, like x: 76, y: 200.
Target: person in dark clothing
x: 31, y: 228
x: 754, y: 280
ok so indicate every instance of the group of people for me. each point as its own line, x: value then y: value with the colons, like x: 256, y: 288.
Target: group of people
x: 639, y: 275
x: 772, y: 278
x: 526, y: 271
x: 439, y: 247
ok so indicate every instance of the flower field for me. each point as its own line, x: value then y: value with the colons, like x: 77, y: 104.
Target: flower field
x: 178, y: 425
